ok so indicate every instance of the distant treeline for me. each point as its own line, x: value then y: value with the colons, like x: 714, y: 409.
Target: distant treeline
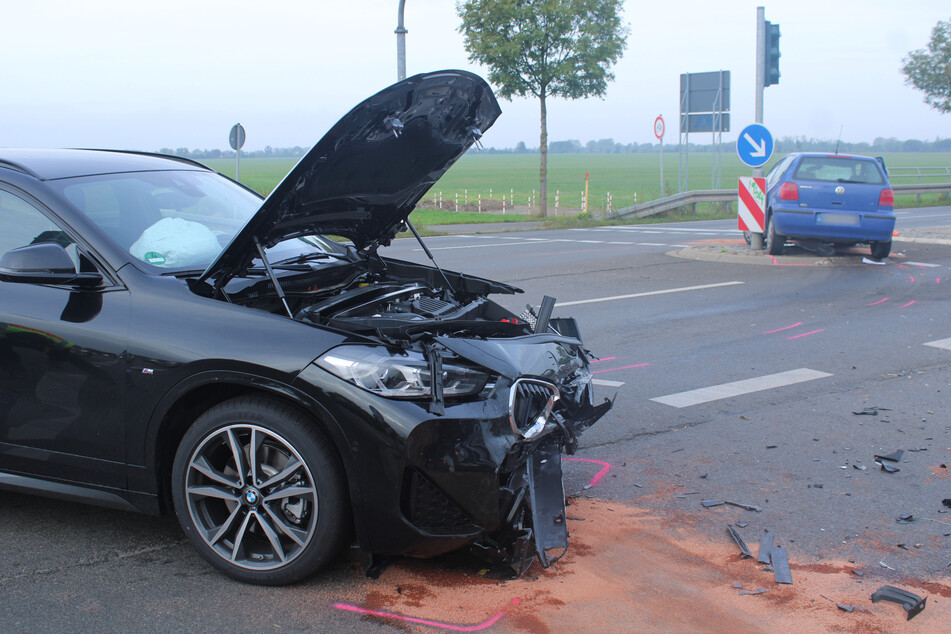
x: 608, y: 146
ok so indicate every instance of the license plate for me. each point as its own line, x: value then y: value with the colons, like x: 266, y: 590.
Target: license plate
x: 850, y: 220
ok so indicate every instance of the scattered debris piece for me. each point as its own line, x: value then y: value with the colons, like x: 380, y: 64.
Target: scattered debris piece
x: 709, y: 503
x: 919, y: 449
x: 871, y: 411
x: 906, y: 518
x: 841, y: 606
x: 887, y: 468
x: 866, y: 260
x: 902, y: 546
x: 858, y: 573
x: 748, y: 507
x: 737, y: 585
x: 859, y: 467
x: 884, y: 565
x: 781, y: 565
x: 757, y: 591
x: 892, y: 457
x: 771, y: 446
x: 946, y: 502
x: 912, y: 603
x: 744, y: 549
x: 765, y: 547
x: 742, y: 524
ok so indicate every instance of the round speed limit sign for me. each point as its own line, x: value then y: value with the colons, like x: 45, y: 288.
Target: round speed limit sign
x: 659, y: 127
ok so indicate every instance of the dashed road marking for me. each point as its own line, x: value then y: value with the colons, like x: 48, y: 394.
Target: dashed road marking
x: 606, y: 383
x: 924, y: 264
x: 739, y: 388
x: 647, y: 293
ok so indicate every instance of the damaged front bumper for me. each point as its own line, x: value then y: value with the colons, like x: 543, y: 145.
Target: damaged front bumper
x: 433, y: 476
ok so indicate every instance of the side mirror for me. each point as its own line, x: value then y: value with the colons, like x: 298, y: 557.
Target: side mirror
x: 44, y: 263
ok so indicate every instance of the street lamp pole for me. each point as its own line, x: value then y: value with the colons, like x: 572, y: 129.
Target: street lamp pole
x: 400, y: 45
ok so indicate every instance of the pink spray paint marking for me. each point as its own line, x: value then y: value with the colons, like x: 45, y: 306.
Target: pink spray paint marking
x: 806, y: 334
x: 626, y: 367
x: 775, y: 263
x: 412, y: 619
x: 911, y: 278
x: 937, y: 280
x: 903, y: 266
x: 604, y: 359
x: 600, y: 474
x: 881, y: 301
x: 769, y: 332
x: 908, y: 304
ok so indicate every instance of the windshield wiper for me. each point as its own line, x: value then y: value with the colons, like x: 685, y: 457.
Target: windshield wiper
x: 307, y: 257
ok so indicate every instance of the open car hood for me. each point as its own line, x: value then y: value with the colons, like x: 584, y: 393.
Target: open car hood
x: 365, y: 176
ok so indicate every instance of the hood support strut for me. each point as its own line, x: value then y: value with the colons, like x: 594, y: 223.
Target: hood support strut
x: 429, y: 254
x: 270, y: 274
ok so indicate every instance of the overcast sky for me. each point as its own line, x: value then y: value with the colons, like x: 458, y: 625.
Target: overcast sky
x: 179, y: 73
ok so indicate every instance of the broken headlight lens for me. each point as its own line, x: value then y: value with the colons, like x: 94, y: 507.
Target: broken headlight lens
x: 398, y: 376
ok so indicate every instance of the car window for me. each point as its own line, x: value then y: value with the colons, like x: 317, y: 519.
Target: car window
x: 22, y: 224
x: 839, y: 169
x: 777, y: 171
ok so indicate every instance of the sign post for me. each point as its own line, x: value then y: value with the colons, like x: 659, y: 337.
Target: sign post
x: 236, y: 139
x: 754, y: 147
x: 659, y: 133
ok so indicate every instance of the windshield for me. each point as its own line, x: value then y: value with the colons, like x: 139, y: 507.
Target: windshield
x: 178, y: 220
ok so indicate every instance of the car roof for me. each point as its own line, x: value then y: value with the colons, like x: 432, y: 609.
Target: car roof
x: 52, y: 164
x: 832, y: 155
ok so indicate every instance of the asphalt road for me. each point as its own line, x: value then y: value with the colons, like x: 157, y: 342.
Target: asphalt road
x: 733, y: 380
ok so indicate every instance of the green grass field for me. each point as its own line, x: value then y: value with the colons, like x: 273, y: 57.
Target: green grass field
x: 620, y: 175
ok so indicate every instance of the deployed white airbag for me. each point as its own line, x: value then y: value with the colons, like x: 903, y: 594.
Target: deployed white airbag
x: 175, y: 243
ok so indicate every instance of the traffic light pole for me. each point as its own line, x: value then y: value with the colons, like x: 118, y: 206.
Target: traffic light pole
x: 756, y: 239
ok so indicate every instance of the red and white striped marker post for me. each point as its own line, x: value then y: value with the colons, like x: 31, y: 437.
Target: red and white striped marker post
x: 752, y: 205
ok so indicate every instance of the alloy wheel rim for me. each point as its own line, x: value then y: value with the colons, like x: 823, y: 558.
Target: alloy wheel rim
x: 251, y: 497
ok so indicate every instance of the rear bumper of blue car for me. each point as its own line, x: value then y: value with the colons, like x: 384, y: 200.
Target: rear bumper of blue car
x: 834, y: 226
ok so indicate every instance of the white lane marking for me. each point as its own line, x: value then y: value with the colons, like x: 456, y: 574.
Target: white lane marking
x: 653, y: 244
x: 647, y: 294
x: 620, y: 243
x: 480, y: 246
x: 924, y: 264
x: 944, y: 344
x: 606, y: 383
x: 682, y: 246
x: 738, y: 388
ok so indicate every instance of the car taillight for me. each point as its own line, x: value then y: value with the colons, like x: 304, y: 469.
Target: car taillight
x: 886, y: 198
x: 789, y: 191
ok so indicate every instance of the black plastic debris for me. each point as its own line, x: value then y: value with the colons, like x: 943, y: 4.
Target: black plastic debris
x: 946, y: 502
x: 844, y: 608
x: 738, y: 585
x: 887, y: 468
x: 912, y: 603
x: 748, y: 507
x: 871, y: 411
x: 919, y: 449
x: 744, y: 549
x: 757, y: 591
x: 858, y: 573
x: 765, y: 547
x: 742, y: 524
x: 780, y: 565
x: 709, y: 503
x: 906, y: 518
x: 859, y: 467
x: 892, y: 457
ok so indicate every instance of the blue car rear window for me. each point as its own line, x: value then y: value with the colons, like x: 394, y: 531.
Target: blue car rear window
x: 839, y: 169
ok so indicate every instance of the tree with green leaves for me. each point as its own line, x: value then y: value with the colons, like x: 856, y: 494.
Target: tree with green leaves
x: 544, y: 48
x: 929, y: 69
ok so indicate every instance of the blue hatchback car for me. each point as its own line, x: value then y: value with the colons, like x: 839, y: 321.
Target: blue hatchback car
x: 845, y: 200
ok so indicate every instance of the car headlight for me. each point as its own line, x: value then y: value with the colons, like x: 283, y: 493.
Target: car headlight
x: 405, y: 375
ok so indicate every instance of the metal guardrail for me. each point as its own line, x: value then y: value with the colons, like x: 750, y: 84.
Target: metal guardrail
x: 920, y: 174
x: 685, y: 199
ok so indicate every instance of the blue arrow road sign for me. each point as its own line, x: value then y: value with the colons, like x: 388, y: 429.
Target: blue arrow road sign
x: 755, y: 145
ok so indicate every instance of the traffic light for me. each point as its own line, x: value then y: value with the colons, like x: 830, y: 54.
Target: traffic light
x: 772, y: 54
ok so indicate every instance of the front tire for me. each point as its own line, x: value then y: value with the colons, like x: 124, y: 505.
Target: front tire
x: 880, y: 250
x: 774, y: 241
x: 259, y: 491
